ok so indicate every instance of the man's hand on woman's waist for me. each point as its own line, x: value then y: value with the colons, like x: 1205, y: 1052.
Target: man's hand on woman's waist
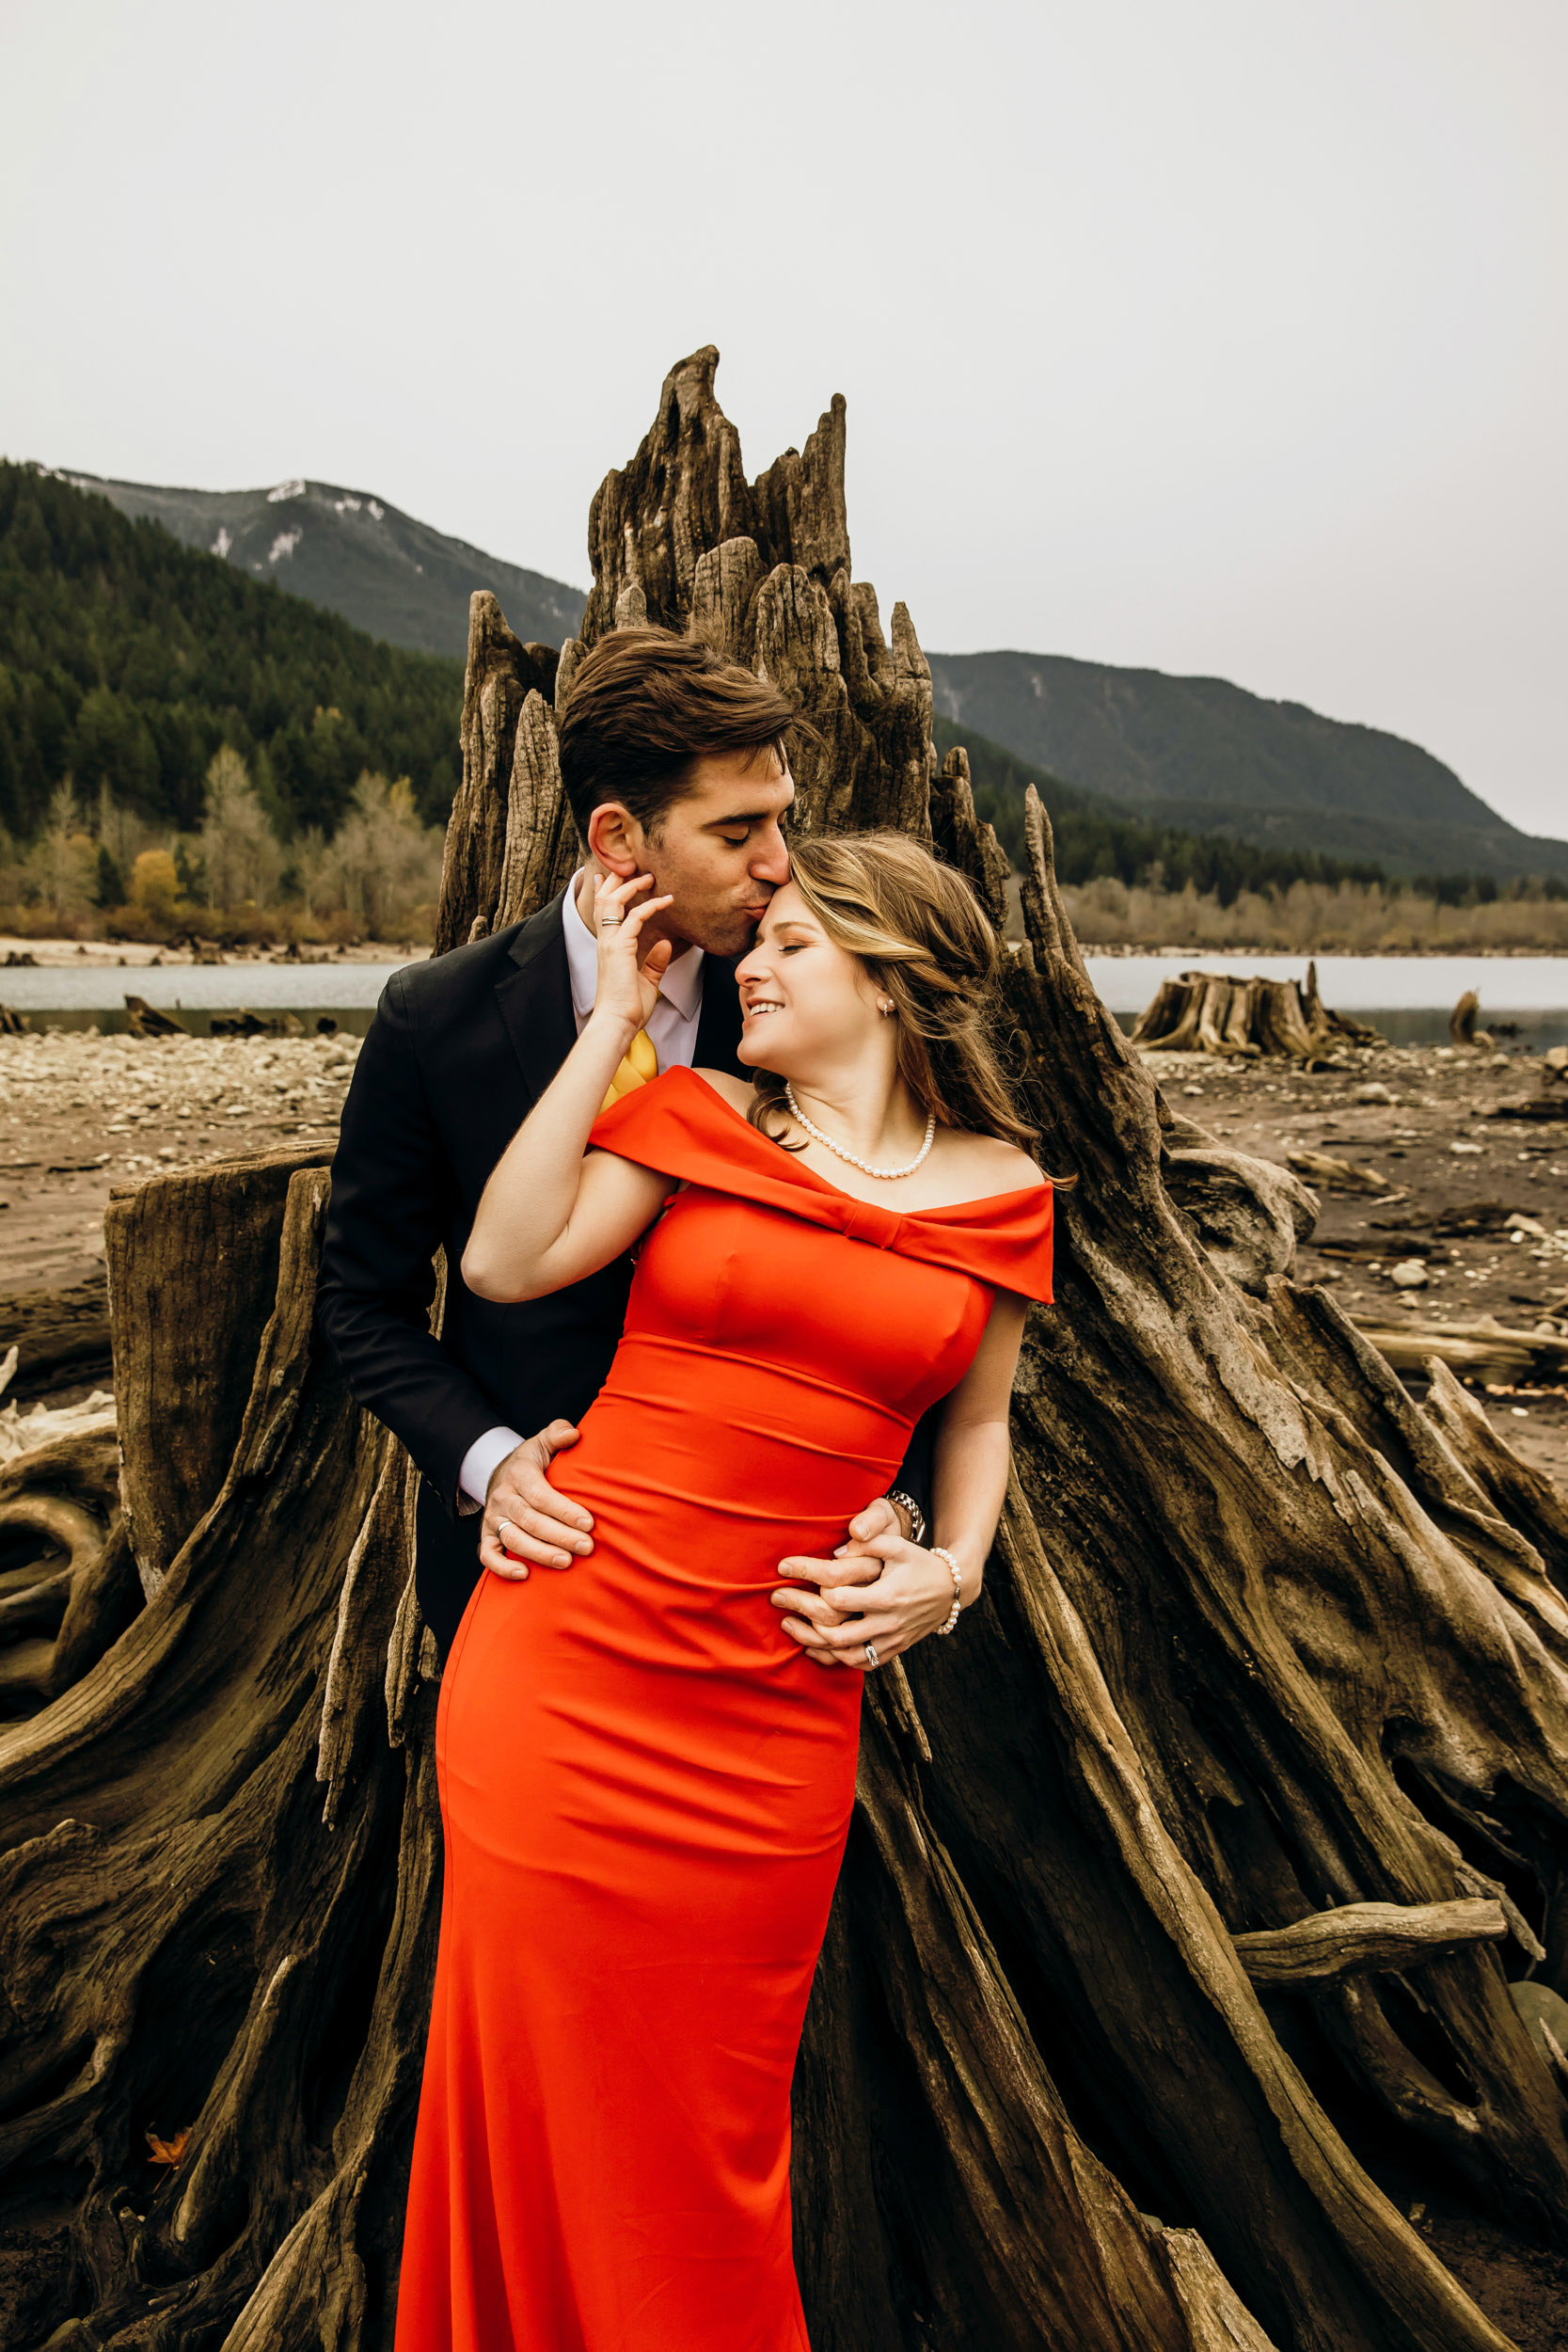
x: 525, y: 1520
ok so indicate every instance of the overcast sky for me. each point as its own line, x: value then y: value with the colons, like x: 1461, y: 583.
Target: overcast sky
x: 1218, y: 336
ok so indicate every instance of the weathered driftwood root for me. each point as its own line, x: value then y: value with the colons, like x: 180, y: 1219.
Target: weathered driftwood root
x: 1209, y: 1013
x: 61, y: 1338
x: 1483, y: 1351
x: 67, y: 1588
x: 1328, y: 1174
x: 188, y: 1949
x: 1357, y: 1936
x: 1330, y: 1635
x: 1263, y: 1641
x: 147, y: 1019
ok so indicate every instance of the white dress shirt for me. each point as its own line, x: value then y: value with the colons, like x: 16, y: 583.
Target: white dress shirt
x: 673, y: 1034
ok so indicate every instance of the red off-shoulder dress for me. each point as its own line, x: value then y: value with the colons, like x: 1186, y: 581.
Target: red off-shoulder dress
x: 646, y: 1785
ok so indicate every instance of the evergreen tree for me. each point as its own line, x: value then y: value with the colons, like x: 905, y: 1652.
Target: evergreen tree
x: 129, y: 660
x: 110, y: 891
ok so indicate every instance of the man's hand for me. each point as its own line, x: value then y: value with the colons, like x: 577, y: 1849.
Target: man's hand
x: 525, y: 1516
x: 883, y: 1517
x: 854, y: 1562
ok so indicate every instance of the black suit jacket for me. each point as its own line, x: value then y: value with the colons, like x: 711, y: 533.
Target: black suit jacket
x: 459, y: 1052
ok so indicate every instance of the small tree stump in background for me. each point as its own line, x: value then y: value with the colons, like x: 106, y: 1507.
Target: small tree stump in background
x: 1462, y: 1022
x: 1212, y: 1012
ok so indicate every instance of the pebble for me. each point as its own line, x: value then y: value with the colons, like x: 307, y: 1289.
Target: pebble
x: 1409, y: 1274
x: 1375, y: 1092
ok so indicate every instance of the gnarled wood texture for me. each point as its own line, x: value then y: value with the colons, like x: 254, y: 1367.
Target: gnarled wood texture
x: 1263, y: 1641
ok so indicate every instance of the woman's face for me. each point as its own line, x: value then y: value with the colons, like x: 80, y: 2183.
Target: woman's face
x: 803, y: 998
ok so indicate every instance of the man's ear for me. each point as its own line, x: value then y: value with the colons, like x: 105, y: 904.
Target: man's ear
x: 610, y: 841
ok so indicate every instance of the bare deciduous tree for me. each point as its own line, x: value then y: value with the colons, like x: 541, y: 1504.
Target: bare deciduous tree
x: 242, y: 857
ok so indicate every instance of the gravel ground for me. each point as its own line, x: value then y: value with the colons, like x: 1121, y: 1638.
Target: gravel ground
x: 79, y: 1112
x: 1428, y: 1133
x: 133, y: 954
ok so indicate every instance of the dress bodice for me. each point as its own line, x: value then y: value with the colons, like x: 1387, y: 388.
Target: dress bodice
x: 680, y: 1126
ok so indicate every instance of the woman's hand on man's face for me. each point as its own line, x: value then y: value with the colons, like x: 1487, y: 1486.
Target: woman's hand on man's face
x: 628, y: 978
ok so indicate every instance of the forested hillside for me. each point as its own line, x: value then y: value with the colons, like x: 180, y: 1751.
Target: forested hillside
x: 1202, y: 754
x: 1097, y: 840
x: 126, y: 660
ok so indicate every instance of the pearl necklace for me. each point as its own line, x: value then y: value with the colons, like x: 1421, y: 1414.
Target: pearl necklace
x: 864, y: 1165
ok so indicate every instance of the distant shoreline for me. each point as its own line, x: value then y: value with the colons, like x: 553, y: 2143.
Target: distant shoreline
x: 136, y: 955
x: 1415, y: 955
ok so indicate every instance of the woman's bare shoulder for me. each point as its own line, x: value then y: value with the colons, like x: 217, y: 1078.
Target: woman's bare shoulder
x: 997, y: 1167
x: 737, y: 1092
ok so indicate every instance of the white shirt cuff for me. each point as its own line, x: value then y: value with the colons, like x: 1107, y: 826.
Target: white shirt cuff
x: 479, y: 1467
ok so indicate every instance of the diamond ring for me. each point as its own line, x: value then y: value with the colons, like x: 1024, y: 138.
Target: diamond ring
x: 871, y: 1658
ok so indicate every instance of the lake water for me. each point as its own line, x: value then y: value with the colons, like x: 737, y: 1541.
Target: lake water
x: 82, y: 996
x: 1408, y: 998
x: 1359, y: 984
x: 1524, y: 999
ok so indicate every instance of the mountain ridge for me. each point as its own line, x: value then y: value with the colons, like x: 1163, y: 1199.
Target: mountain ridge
x: 1205, y: 754
x: 1200, y: 753
x: 352, y: 553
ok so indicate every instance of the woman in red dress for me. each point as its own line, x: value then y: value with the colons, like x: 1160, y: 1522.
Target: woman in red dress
x: 645, y: 1782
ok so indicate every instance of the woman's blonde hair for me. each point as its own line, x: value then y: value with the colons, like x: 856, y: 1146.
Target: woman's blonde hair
x: 923, y: 939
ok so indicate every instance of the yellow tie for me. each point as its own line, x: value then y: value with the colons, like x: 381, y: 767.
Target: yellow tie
x: 639, y: 1063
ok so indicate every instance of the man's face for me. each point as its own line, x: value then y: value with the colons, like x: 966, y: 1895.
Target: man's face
x: 718, y: 850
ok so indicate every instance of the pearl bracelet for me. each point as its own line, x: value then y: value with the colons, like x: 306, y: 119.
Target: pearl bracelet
x: 942, y: 1553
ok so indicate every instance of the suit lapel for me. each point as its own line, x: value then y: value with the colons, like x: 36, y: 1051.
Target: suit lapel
x: 535, y: 998
x: 718, y: 1022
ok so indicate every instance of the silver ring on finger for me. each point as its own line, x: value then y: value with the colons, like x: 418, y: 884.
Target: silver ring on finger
x: 871, y: 1657
x: 502, y: 1525
x: 610, y: 922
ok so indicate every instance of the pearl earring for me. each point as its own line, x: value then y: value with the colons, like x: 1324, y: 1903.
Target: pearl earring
x: 884, y: 1005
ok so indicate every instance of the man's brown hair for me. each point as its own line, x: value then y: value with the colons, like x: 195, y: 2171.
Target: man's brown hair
x: 644, y: 707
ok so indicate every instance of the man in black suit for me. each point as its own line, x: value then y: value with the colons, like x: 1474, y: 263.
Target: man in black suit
x: 674, y: 764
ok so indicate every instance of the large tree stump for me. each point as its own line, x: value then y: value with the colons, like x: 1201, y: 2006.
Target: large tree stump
x: 1241, y: 1790
x: 1214, y: 1012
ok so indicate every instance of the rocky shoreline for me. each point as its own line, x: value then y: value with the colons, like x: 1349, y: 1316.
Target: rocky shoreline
x: 19, y: 954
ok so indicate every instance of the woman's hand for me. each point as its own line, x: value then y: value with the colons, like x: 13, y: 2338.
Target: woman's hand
x: 629, y: 979
x: 892, y: 1594
x: 553, y: 1211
